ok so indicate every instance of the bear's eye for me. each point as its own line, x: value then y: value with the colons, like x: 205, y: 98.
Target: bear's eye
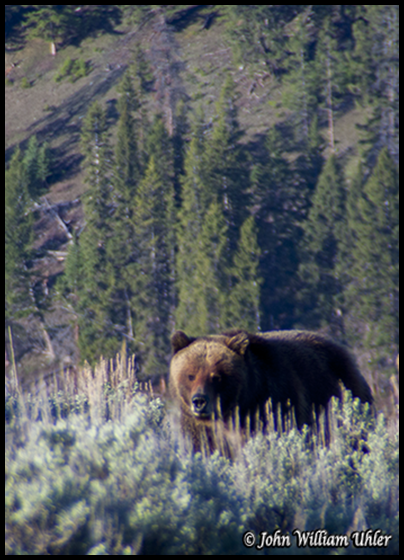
x: 216, y: 378
x: 191, y: 377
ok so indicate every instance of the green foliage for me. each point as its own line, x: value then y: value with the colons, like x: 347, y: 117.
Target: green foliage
x: 278, y: 219
x: 76, y: 69
x: 60, y: 24
x: 18, y: 237
x: 121, y: 247
x: 90, y: 274
x: 48, y: 22
x: 83, y: 485
x: 142, y: 71
x: 152, y: 282
x: 244, y: 302
x: 25, y: 83
x: 119, y: 272
x: 225, y: 163
x: 126, y: 156
x: 374, y: 288
x: 169, y: 239
x: 323, y: 232
x: 194, y: 197
x: 211, y: 272
x: 302, y: 83
x: 37, y: 160
x: 256, y: 33
x: 209, y: 221
x: 25, y: 181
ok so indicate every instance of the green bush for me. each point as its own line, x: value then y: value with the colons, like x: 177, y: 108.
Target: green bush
x: 110, y: 474
x: 75, y: 69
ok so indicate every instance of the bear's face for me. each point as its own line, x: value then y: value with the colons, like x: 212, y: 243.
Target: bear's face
x: 206, y: 372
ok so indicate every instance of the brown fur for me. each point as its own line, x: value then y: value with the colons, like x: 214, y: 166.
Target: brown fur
x: 244, y: 370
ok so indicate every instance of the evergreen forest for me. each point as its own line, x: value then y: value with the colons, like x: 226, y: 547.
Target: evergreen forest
x: 233, y: 192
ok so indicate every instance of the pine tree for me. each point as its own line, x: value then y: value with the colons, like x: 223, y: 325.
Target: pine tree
x: 374, y: 291
x: 227, y: 180
x: 95, y: 148
x: 244, y: 301
x: 382, y: 128
x: 152, y: 288
x: 277, y: 199
x: 158, y: 145
x: 49, y: 22
x: 190, y: 219
x: 361, y: 58
x: 256, y: 34
x: 163, y: 154
x: 212, y: 273
x: 122, y: 243
x: 73, y: 279
x: 323, y: 233
x: 37, y: 161
x: 95, y: 309
x: 300, y: 88
x: 127, y: 167
x: 350, y: 233
x: 18, y: 238
x: 211, y: 200
x: 331, y: 73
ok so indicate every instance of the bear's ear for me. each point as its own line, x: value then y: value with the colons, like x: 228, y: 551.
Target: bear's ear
x: 180, y: 340
x: 238, y: 343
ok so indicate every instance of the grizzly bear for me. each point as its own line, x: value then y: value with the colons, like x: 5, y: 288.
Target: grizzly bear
x: 212, y: 375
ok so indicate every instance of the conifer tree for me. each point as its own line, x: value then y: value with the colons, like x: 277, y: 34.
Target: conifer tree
x: 159, y: 145
x: 330, y: 74
x: 323, y: 233
x: 122, y: 243
x: 212, y: 273
x: 37, y: 161
x: 361, y: 58
x: 244, y: 301
x: 301, y: 82
x: 212, y: 206
x: 306, y: 171
x: 375, y: 63
x: 127, y: 167
x: 152, y: 276
x: 95, y: 148
x: 142, y: 75
x: 49, y: 22
x: 277, y: 204
x: 350, y: 233
x: 73, y: 278
x: 227, y: 180
x: 256, y: 34
x: 95, y: 293
x: 374, y: 291
x: 190, y: 219
x: 18, y: 237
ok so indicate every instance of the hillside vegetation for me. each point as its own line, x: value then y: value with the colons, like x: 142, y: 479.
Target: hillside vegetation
x: 93, y: 466
x: 199, y: 167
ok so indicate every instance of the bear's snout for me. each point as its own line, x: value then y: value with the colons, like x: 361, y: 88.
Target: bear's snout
x: 200, y: 404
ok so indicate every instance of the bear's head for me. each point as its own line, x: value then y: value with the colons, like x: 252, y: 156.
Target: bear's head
x: 207, y: 372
